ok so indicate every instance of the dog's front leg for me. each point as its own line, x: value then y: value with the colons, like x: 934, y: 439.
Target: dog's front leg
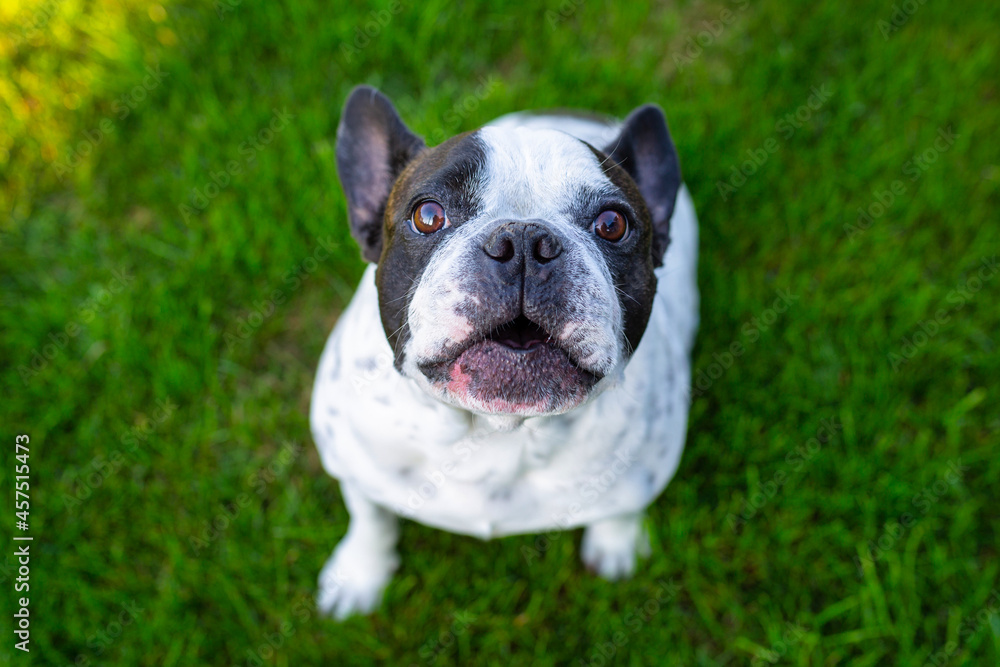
x: 610, y: 546
x: 355, y: 576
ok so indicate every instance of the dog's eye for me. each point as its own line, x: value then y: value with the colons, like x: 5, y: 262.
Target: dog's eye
x: 610, y: 225
x: 429, y: 217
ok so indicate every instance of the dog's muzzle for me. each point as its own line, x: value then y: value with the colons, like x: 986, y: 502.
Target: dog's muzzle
x: 524, y: 354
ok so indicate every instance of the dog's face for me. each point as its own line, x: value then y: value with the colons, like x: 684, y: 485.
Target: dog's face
x: 515, y: 266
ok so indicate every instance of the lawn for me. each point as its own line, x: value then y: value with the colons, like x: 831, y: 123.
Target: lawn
x: 169, y: 197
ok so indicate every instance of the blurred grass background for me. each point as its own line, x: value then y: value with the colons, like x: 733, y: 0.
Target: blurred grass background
x: 165, y: 389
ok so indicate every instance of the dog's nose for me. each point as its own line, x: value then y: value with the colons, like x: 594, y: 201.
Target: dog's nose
x: 523, y: 241
x: 543, y: 246
x: 501, y: 244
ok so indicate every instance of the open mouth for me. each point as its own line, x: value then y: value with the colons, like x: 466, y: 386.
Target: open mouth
x: 516, y: 368
x: 520, y: 334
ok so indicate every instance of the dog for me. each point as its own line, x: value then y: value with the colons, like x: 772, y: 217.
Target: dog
x: 516, y: 358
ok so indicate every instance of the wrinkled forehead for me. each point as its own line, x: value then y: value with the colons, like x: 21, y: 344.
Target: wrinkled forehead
x: 536, y: 173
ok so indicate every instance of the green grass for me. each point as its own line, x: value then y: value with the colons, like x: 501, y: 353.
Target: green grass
x: 172, y: 401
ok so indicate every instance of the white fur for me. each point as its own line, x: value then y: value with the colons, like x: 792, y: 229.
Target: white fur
x: 609, y: 546
x: 590, y: 129
x: 394, y: 447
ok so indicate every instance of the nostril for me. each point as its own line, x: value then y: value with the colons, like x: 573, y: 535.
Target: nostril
x: 500, y: 249
x: 546, y: 248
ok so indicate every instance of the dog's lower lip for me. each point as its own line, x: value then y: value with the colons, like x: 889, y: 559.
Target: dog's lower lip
x: 535, y: 378
x: 538, y: 342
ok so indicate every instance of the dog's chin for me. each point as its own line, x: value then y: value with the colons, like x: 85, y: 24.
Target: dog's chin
x: 512, y: 373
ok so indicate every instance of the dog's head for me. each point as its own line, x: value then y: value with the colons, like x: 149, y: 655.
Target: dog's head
x: 515, y: 266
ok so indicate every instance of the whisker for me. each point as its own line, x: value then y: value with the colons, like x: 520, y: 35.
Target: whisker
x: 620, y: 291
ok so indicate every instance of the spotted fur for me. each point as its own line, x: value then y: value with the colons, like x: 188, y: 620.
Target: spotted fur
x: 402, y: 447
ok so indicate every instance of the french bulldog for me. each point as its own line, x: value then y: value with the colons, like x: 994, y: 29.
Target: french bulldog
x: 516, y: 358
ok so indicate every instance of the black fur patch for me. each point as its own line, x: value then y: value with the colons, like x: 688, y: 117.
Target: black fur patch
x: 630, y: 261
x: 444, y: 173
x: 646, y: 152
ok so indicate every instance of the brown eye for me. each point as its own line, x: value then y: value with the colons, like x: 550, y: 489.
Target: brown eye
x: 429, y: 217
x: 610, y: 225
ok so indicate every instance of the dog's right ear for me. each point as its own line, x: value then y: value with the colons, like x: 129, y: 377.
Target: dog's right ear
x: 373, y: 147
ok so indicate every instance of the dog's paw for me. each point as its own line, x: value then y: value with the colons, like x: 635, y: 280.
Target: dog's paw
x: 354, y: 578
x: 610, y: 547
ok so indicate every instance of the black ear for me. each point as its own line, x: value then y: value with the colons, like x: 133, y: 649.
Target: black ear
x: 373, y: 147
x: 644, y: 149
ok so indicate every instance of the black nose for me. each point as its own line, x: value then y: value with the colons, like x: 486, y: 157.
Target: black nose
x: 543, y: 245
x: 501, y: 243
x: 523, y: 241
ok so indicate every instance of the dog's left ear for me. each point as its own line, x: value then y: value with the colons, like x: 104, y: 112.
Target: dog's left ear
x: 645, y: 150
x: 373, y: 147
